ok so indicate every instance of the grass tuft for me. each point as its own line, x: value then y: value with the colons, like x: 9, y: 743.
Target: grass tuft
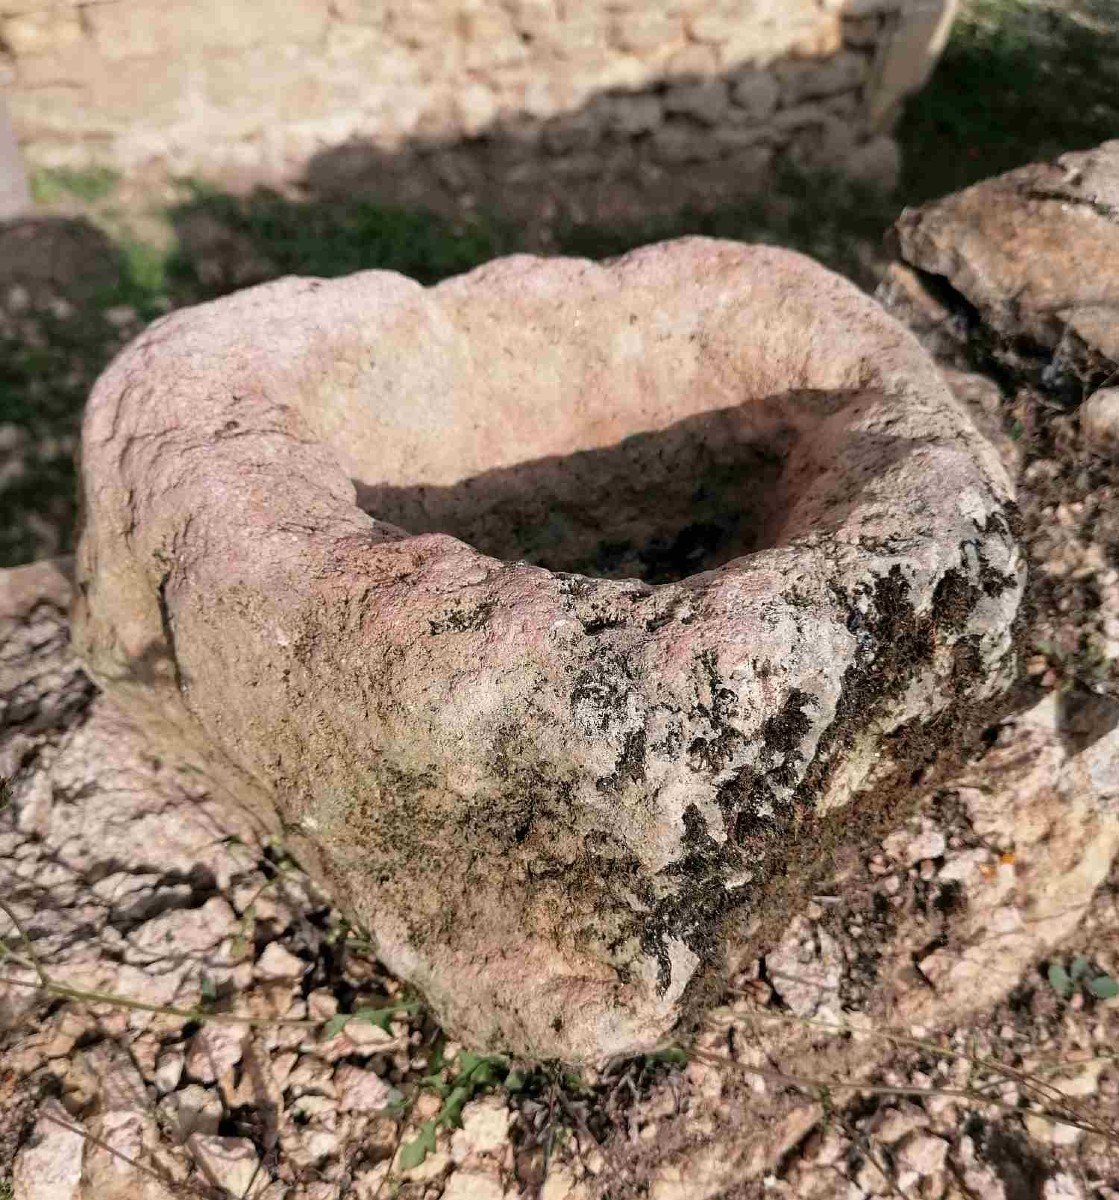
x: 1020, y: 81
x: 52, y: 185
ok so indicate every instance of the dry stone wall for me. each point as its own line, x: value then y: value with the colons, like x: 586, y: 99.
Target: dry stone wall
x: 263, y: 85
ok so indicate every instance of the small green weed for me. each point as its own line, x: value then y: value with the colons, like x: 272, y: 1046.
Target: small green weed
x: 143, y: 279
x: 473, y: 1074
x: 52, y: 185
x: 1079, y: 976
x: 382, y: 1018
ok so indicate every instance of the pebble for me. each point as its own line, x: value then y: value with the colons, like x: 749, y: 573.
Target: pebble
x: 983, y: 1183
x: 62, y: 1041
x: 316, y: 1191
x: 120, y: 1084
x: 195, y: 1109
x: 228, y: 1162
x: 929, y: 843
x: 1099, y: 419
x: 870, y: 1180
x: 890, y: 1125
x: 277, y: 962
x: 319, y: 1191
x: 473, y: 1185
x: 1086, y: 1082
x: 433, y: 1167
x: 485, y: 1125
x: 1052, y: 1132
x: 321, y: 1005
x: 806, y: 968
x: 169, y: 1071
x: 370, y: 1184
x: 831, y: 1149
x: 366, y: 1037
x: 1062, y: 1187
x: 322, y: 1109
x: 360, y: 1090
x: 310, y: 1076
x: 215, y: 1050
x: 307, y: 1147
x: 282, y: 1065
x: 561, y: 1185
x: 49, y: 1166
x: 923, y: 1153
x: 963, y: 867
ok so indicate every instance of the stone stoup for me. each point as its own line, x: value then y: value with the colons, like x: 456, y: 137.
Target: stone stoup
x: 261, y: 86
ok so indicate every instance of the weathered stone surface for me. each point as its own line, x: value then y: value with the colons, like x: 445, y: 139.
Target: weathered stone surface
x: 43, y: 32
x: 707, y: 100
x: 756, y: 93
x: 473, y: 1185
x: 1036, y: 251
x: 807, y: 80
x: 1030, y: 831
x: 360, y: 1090
x: 1045, y: 829
x: 100, y: 834
x: 547, y: 793
x: 229, y: 1163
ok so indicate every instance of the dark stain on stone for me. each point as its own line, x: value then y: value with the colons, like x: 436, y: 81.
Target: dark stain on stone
x: 168, y: 628
x: 630, y: 767
x: 954, y: 599
x: 783, y: 842
x: 463, y: 620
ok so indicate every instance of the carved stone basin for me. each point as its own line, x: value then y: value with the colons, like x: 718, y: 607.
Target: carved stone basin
x: 545, y: 610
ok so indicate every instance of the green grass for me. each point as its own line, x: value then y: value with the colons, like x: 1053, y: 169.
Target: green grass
x: 144, y: 280
x: 52, y: 185
x: 42, y: 389
x: 282, y: 237
x: 44, y: 382
x: 312, y: 238
x: 836, y: 221
x: 1020, y: 80
x: 825, y: 216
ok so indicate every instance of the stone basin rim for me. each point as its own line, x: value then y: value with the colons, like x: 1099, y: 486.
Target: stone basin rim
x: 921, y: 376
x: 375, y: 693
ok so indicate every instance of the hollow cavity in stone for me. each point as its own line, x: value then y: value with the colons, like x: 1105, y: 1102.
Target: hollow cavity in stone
x: 342, y: 541
x: 657, y: 506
